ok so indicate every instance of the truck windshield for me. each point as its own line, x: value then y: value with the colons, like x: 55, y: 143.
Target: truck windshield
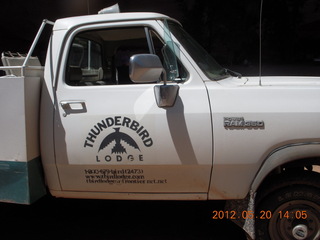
x: 205, y: 61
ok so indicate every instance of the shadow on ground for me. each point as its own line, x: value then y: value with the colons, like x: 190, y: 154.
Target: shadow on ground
x: 67, y: 219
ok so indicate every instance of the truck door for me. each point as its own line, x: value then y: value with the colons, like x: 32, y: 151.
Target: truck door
x: 110, y: 135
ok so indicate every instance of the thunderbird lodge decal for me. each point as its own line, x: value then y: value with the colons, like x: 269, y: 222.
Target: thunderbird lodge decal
x: 118, y: 139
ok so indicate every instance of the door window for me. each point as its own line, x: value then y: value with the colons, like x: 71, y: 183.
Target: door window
x: 101, y: 57
x: 84, y: 62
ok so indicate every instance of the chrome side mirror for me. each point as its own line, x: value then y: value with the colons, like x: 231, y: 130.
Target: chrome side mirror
x: 147, y: 68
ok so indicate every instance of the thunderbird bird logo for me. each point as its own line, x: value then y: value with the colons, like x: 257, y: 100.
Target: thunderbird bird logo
x: 117, y: 137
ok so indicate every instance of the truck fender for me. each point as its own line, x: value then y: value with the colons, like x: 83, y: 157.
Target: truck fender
x: 285, y: 154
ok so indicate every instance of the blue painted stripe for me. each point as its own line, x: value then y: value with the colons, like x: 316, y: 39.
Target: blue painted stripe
x: 21, y: 182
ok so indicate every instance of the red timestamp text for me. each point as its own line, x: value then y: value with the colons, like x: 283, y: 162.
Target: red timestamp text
x: 263, y: 214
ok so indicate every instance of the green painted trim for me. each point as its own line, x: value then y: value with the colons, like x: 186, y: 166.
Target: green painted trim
x: 21, y: 182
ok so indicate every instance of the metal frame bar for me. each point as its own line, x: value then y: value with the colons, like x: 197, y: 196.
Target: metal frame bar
x: 35, y: 42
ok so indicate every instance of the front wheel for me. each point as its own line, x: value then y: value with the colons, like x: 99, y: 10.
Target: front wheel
x: 295, y: 210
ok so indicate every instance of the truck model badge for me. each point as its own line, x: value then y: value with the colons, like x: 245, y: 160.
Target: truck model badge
x: 241, y: 123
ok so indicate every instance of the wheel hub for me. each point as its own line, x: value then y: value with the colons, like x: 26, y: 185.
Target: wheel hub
x: 300, y: 232
x: 294, y: 226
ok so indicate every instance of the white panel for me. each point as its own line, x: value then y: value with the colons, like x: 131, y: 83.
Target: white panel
x: 19, y: 106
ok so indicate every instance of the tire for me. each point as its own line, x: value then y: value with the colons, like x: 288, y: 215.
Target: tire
x: 293, y: 207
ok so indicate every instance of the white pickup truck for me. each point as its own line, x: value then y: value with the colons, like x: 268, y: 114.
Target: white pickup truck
x: 129, y: 106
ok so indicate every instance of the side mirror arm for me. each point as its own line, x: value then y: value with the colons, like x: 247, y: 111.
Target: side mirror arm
x: 166, y: 95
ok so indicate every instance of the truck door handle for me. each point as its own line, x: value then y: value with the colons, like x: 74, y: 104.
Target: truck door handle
x: 73, y: 107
